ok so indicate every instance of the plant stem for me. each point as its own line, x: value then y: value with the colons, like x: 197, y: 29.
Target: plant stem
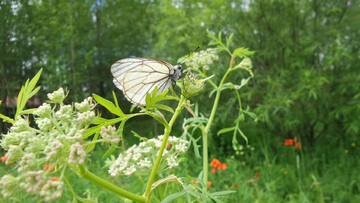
x: 84, y: 173
x: 163, y: 145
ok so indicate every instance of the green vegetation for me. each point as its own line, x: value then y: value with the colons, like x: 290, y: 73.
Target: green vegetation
x: 305, y: 85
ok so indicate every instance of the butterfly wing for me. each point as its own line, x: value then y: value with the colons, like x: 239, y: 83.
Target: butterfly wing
x: 137, y: 76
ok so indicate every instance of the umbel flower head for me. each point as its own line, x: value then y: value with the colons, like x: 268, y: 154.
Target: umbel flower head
x: 57, y: 141
x: 201, y: 59
x: 139, y: 159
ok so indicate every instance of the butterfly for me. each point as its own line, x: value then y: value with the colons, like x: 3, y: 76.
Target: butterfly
x: 137, y: 76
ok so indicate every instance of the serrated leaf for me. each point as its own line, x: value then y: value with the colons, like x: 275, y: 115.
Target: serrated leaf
x: 225, y: 130
x: 173, y: 196
x: 109, y: 105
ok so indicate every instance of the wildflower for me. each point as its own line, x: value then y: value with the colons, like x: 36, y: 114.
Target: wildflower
x: 168, y: 145
x: 213, y: 170
x: 194, y: 181
x: 208, y: 184
x: 34, y: 181
x: 353, y: 144
x: 256, y: 175
x: 192, y: 86
x: 222, y: 167
x: 285, y: 172
x: 346, y: 151
x: 86, y: 105
x: 298, y: 145
x: 54, y: 178
x: 86, y: 118
x: 270, y: 165
x: 8, y: 185
x: 172, y: 162
x: 289, y: 142
x: 3, y: 159
x: 44, y: 111
x: 77, y: 154
x: 215, y: 162
x: 51, y: 190
x: 235, y: 186
x: 109, y: 134
x: 57, y: 96
x: 48, y: 166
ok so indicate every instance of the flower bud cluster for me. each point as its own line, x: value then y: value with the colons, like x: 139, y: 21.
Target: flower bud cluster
x: 109, y: 134
x: 57, y: 140
x: 139, y: 159
x: 202, y: 59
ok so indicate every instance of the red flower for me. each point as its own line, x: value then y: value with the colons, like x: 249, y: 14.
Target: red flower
x: 295, y: 139
x: 235, y: 186
x: 256, y: 175
x: 54, y: 178
x: 168, y: 145
x: 289, y: 142
x: 213, y: 170
x: 3, y: 159
x: 215, y: 162
x: 208, y: 184
x: 222, y: 166
x: 298, y: 145
x: 46, y: 167
x: 194, y: 181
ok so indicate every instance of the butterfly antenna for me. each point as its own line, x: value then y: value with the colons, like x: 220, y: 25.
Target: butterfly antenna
x: 189, y: 54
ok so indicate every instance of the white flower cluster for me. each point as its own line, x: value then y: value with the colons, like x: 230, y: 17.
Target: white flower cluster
x: 60, y: 131
x: 138, y: 160
x: 202, y: 59
x: 109, y: 134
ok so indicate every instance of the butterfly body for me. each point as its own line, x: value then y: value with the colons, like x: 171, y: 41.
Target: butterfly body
x: 137, y: 76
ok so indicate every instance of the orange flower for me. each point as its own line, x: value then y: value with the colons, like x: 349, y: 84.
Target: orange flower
x: 46, y: 167
x: 3, y: 159
x: 295, y: 139
x: 208, y: 184
x: 298, y: 145
x: 289, y: 142
x: 222, y: 167
x: 215, y: 162
x: 54, y: 178
x: 194, y: 181
x: 235, y: 186
x: 213, y: 170
x: 256, y: 175
x: 168, y: 145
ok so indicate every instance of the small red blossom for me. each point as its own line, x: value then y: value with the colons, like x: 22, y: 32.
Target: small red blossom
x: 213, y: 170
x: 215, y: 162
x: 222, y: 167
x: 54, y: 178
x: 298, y: 145
x: 289, y: 142
x: 168, y: 145
x: 208, y: 184
x: 256, y: 175
x: 47, y: 166
x: 235, y: 186
x: 194, y: 181
x: 3, y: 159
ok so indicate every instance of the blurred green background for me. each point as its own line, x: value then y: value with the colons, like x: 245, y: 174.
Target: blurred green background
x: 306, y: 84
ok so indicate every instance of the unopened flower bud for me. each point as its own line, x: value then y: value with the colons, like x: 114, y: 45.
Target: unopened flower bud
x: 57, y: 96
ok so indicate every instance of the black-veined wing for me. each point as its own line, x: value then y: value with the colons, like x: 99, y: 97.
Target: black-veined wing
x: 137, y: 76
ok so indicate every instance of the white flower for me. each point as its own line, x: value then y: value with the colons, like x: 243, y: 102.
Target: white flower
x: 130, y: 170
x: 172, y: 162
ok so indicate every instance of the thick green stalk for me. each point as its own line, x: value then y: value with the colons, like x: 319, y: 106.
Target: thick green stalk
x: 84, y: 173
x: 163, y: 145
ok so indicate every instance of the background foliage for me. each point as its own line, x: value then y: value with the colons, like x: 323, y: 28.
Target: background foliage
x: 306, y: 83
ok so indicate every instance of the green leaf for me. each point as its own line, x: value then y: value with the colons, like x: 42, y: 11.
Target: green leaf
x: 243, y: 135
x: 163, y: 107
x: 240, y: 118
x: 225, y: 130
x: 85, y: 200
x: 6, y: 119
x: 221, y: 193
x: 28, y: 111
x: 173, y: 196
x: 138, y: 136
x: 92, y: 146
x: 109, y: 105
x: 115, y: 100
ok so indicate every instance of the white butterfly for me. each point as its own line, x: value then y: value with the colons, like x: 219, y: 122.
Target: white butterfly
x: 137, y: 76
